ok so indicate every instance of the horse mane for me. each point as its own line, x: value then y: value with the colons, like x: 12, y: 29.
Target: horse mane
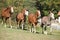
x: 23, y: 10
x: 37, y: 14
x: 7, y: 8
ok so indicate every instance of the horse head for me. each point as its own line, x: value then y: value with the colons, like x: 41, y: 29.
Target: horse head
x: 10, y: 9
x: 38, y: 14
x: 25, y: 11
x: 51, y: 15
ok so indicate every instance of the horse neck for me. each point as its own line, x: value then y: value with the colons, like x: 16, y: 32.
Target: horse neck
x: 37, y: 15
x: 23, y: 11
x: 49, y: 17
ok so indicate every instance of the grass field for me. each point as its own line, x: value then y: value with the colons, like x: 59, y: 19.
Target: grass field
x: 18, y: 34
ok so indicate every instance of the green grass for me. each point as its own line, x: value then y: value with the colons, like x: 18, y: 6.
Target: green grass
x: 18, y: 34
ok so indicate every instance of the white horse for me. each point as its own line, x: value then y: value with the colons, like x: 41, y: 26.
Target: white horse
x: 54, y: 25
x: 45, y: 21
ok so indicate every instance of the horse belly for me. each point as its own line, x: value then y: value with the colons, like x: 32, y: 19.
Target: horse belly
x: 32, y: 20
x: 5, y: 14
x: 20, y: 16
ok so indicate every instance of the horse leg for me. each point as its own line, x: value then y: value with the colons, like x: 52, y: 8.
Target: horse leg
x: 42, y: 28
x: 45, y: 30
x: 10, y: 22
x: 22, y: 25
x: 34, y: 28
x: 30, y: 28
x: 2, y: 20
x: 50, y: 30
x: 18, y: 24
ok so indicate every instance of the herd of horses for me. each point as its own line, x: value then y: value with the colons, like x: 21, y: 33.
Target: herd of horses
x: 33, y: 19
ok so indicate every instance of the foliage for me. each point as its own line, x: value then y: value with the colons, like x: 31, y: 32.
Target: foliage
x: 43, y: 5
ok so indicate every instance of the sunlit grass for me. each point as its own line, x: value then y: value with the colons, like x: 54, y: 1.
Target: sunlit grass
x: 19, y: 34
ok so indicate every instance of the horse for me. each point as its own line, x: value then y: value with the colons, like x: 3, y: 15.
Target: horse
x: 32, y: 19
x: 6, y: 14
x: 46, y: 21
x: 55, y: 24
x: 21, y: 17
x: 59, y: 16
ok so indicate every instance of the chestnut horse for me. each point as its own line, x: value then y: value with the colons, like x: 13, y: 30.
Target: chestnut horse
x: 32, y: 19
x: 6, y: 14
x: 21, y: 17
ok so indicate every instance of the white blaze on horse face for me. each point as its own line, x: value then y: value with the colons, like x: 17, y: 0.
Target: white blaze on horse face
x: 12, y: 9
x: 39, y: 13
x: 26, y: 12
x: 59, y: 19
x: 52, y: 15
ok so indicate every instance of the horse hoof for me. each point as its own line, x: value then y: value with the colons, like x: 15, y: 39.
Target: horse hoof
x: 45, y: 32
x: 11, y: 26
x: 30, y: 31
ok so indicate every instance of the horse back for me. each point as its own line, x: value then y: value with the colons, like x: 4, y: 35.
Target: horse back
x: 45, y: 19
x: 5, y: 13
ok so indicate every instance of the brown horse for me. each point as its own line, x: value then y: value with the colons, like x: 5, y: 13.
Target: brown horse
x: 6, y: 14
x: 32, y: 19
x: 20, y: 18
